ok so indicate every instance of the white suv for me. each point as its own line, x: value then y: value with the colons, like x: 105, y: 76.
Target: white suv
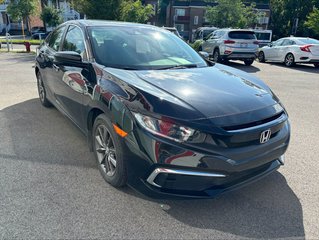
x: 231, y: 44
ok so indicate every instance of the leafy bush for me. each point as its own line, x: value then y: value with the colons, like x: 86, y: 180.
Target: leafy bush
x: 197, y: 44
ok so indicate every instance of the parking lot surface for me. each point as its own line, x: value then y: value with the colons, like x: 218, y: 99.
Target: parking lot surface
x: 50, y: 186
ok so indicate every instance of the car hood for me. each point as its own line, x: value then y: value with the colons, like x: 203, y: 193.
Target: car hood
x: 219, y: 94
x: 214, y: 91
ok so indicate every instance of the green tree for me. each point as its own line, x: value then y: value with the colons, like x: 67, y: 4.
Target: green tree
x: 51, y: 16
x: 313, y: 21
x: 99, y: 9
x: 284, y: 13
x: 231, y: 14
x: 135, y: 11
x: 22, y: 9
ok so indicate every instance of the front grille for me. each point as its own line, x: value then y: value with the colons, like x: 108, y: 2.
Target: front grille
x: 253, y: 124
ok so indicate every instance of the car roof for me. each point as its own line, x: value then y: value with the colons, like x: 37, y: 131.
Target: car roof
x: 88, y: 23
x: 237, y: 30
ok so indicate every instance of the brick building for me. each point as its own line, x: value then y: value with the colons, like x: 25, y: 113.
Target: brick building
x: 188, y: 15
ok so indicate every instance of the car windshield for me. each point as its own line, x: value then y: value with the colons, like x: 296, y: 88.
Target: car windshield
x: 141, y: 48
x: 307, y: 41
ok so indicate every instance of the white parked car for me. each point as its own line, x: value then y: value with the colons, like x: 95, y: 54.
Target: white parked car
x: 231, y: 44
x: 291, y: 50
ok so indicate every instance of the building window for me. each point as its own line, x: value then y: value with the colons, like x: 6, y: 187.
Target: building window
x: 180, y: 12
x: 179, y: 27
x: 263, y: 20
x: 196, y: 20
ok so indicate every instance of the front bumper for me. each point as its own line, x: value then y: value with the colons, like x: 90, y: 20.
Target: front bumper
x: 162, y: 169
x: 208, y: 186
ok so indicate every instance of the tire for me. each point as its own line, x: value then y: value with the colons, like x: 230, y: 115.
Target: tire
x: 216, y: 56
x: 42, y: 92
x: 316, y: 65
x: 261, y: 57
x: 248, y: 62
x: 109, y: 152
x: 289, y: 60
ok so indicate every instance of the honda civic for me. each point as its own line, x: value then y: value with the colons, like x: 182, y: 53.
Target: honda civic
x: 158, y: 116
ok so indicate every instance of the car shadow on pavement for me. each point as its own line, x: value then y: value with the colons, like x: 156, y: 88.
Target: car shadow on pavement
x: 242, y: 66
x: 37, y: 134
x: 266, y: 209
x: 13, y: 58
x: 298, y: 67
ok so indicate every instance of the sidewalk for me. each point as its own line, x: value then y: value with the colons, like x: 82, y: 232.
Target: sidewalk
x: 17, y: 47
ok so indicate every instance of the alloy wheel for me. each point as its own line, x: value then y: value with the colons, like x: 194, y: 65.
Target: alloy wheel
x: 105, y: 150
x: 41, y: 89
x: 216, y: 56
x: 261, y: 57
x: 289, y: 60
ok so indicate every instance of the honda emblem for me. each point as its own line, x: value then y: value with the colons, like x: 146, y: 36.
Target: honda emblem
x: 265, y: 136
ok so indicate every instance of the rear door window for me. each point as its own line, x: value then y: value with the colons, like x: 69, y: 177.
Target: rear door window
x: 278, y: 42
x: 242, y: 35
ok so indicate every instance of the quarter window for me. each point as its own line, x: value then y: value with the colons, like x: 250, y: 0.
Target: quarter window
x: 55, y: 38
x: 74, y: 41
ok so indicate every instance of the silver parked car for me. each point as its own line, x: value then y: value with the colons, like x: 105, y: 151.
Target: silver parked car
x: 231, y: 44
x: 291, y: 50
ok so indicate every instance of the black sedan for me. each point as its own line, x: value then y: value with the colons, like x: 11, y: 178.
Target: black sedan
x: 158, y: 116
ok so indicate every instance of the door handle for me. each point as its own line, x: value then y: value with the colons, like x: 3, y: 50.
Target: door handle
x: 56, y: 67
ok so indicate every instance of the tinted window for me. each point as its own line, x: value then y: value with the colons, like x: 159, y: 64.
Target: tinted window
x: 242, y: 35
x: 55, y: 38
x: 308, y: 41
x: 141, y: 48
x: 74, y: 41
x: 218, y: 34
x: 263, y: 36
x: 288, y: 42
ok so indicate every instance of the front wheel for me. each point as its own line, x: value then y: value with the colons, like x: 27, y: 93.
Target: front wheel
x: 289, y: 60
x: 249, y: 62
x: 261, y: 57
x: 216, y: 56
x: 42, y: 92
x: 109, y: 152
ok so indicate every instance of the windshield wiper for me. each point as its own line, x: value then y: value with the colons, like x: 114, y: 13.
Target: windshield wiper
x: 182, y: 66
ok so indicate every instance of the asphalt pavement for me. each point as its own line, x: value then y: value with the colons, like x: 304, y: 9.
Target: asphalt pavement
x: 51, y: 188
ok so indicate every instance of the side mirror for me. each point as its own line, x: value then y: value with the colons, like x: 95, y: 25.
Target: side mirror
x: 68, y: 57
x: 204, y: 55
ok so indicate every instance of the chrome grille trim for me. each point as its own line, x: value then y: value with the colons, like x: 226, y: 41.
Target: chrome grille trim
x: 157, y: 171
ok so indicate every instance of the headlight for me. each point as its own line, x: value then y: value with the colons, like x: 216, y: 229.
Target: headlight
x: 169, y: 129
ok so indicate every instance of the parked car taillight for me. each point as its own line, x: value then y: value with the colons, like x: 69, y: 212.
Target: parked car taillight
x: 229, y: 42
x: 305, y: 48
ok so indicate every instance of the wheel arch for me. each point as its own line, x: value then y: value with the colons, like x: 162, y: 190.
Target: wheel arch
x: 92, y: 115
x: 216, y: 48
x: 286, y: 56
x: 36, y: 70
